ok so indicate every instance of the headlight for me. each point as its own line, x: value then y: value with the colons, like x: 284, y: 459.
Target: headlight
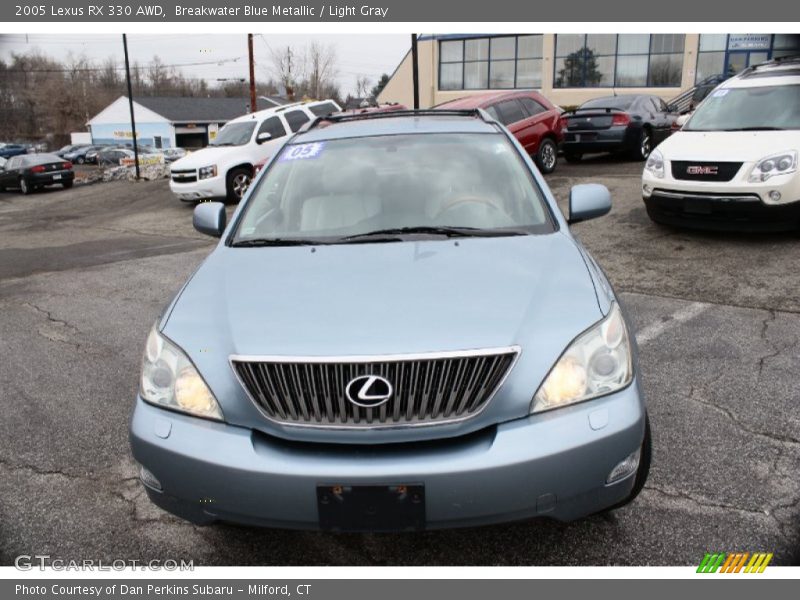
x: 169, y: 379
x: 597, y: 363
x: 777, y: 164
x: 207, y: 172
x: 655, y: 164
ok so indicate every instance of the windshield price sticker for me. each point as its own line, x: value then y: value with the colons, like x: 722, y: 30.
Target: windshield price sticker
x: 720, y: 93
x: 302, y: 151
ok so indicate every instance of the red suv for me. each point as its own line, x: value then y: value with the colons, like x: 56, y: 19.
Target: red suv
x: 531, y: 117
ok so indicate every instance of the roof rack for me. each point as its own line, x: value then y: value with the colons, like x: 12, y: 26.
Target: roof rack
x: 420, y: 112
x: 777, y: 61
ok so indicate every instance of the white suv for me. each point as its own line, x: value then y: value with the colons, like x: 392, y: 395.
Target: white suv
x: 225, y: 167
x: 734, y: 164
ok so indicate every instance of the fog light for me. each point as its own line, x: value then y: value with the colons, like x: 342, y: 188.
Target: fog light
x: 775, y: 195
x: 625, y: 468
x: 149, y: 479
x: 647, y: 189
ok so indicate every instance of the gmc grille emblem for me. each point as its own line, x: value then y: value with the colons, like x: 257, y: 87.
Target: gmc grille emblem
x: 698, y: 170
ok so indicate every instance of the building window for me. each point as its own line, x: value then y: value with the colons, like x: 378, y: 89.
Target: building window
x: 625, y: 60
x: 785, y: 44
x: 498, y: 62
x: 711, y: 55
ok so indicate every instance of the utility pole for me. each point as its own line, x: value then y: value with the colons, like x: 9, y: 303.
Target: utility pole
x: 415, y: 69
x: 253, y: 100
x: 290, y: 87
x: 130, y: 104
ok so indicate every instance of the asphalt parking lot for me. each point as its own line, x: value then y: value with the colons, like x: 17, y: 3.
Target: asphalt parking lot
x: 84, y: 272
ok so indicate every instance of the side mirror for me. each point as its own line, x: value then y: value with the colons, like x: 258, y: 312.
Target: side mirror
x: 210, y: 218
x: 263, y: 137
x: 588, y: 201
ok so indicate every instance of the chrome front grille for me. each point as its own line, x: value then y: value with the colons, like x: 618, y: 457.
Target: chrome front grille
x: 183, y: 175
x: 426, y: 389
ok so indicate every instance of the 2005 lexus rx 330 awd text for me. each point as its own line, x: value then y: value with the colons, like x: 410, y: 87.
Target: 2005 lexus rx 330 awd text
x: 396, y: 331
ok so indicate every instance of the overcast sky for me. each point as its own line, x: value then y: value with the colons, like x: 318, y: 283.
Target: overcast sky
x: 368, y: 55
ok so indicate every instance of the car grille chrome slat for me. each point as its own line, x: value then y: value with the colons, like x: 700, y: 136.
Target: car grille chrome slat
x: 428, y: 389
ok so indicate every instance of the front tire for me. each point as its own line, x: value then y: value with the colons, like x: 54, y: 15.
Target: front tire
x: 237, y: 183
x: 547, y: 156
x: 80, y: 160
x: 25, y: 187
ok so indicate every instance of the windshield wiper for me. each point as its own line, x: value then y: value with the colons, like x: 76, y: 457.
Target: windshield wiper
x: 431, y: 230
x: 256, y: 242
x: 756, y: 129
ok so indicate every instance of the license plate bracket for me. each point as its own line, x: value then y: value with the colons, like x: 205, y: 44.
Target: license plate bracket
x: 391, y: 507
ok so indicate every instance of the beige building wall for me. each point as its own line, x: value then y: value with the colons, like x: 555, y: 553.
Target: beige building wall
x: 399, y: 89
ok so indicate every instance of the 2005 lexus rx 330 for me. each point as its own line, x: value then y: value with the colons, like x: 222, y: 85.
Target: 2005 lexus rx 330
x: 396, y: 331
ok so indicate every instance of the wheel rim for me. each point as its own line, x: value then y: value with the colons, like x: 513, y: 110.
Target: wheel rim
x: 23, y: 185
x: 645, y: 146
x: 548, y: 156
x: 240, y: 184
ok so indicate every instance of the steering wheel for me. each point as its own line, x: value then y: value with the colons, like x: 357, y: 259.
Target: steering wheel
x: 459, y: 200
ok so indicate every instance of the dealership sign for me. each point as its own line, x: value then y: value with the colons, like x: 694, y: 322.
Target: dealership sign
x: 749, y: 41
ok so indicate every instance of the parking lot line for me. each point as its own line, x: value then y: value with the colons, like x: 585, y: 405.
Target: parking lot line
x: 651, y: 332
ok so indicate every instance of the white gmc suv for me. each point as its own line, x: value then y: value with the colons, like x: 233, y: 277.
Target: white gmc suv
x: 734, y: 164
x: 225, y: 167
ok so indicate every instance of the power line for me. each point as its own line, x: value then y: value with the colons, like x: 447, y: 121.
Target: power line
x: 122, y: 68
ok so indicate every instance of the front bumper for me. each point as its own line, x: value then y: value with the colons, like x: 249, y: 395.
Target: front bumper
x: 204, y: 189
x: 553, y: 464
x: 735, y: 205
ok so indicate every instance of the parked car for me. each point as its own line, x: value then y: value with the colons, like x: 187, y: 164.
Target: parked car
x: 30, y: 172
x: 397, y: 331
x: 111, y: 156
x: 734, y: 165
x: 78, y: 155
x: 381, y: 108
x: 68, y: 148
x: 9, y: 150
x: 173, y: 154
x: 529, y: 116
x: 632, y: 124
x: 225, y: 167
x: 91, y: 155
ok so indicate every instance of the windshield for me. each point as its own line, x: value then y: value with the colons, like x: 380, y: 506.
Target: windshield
x: 622, y: 102
x: 752, y: 108
x: 441, y: 184
x: 234, y: 134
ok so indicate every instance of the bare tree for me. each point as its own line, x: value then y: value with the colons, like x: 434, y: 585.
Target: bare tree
x: 288, y: 68
x: 321, y: 66
x: 362, y: 86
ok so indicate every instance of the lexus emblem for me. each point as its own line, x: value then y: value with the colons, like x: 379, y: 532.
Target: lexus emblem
x: 369, y: 391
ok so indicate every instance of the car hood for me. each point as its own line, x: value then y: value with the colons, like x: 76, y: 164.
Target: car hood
x: 206, y: 157
x: 534, y: 292
x: 738, y: 146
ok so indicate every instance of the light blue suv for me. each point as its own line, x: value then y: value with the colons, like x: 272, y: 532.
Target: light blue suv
x: 397, y: 331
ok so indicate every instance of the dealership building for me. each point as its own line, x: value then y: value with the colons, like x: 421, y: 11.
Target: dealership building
x: 165, y: 121
x: 572, y: 68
